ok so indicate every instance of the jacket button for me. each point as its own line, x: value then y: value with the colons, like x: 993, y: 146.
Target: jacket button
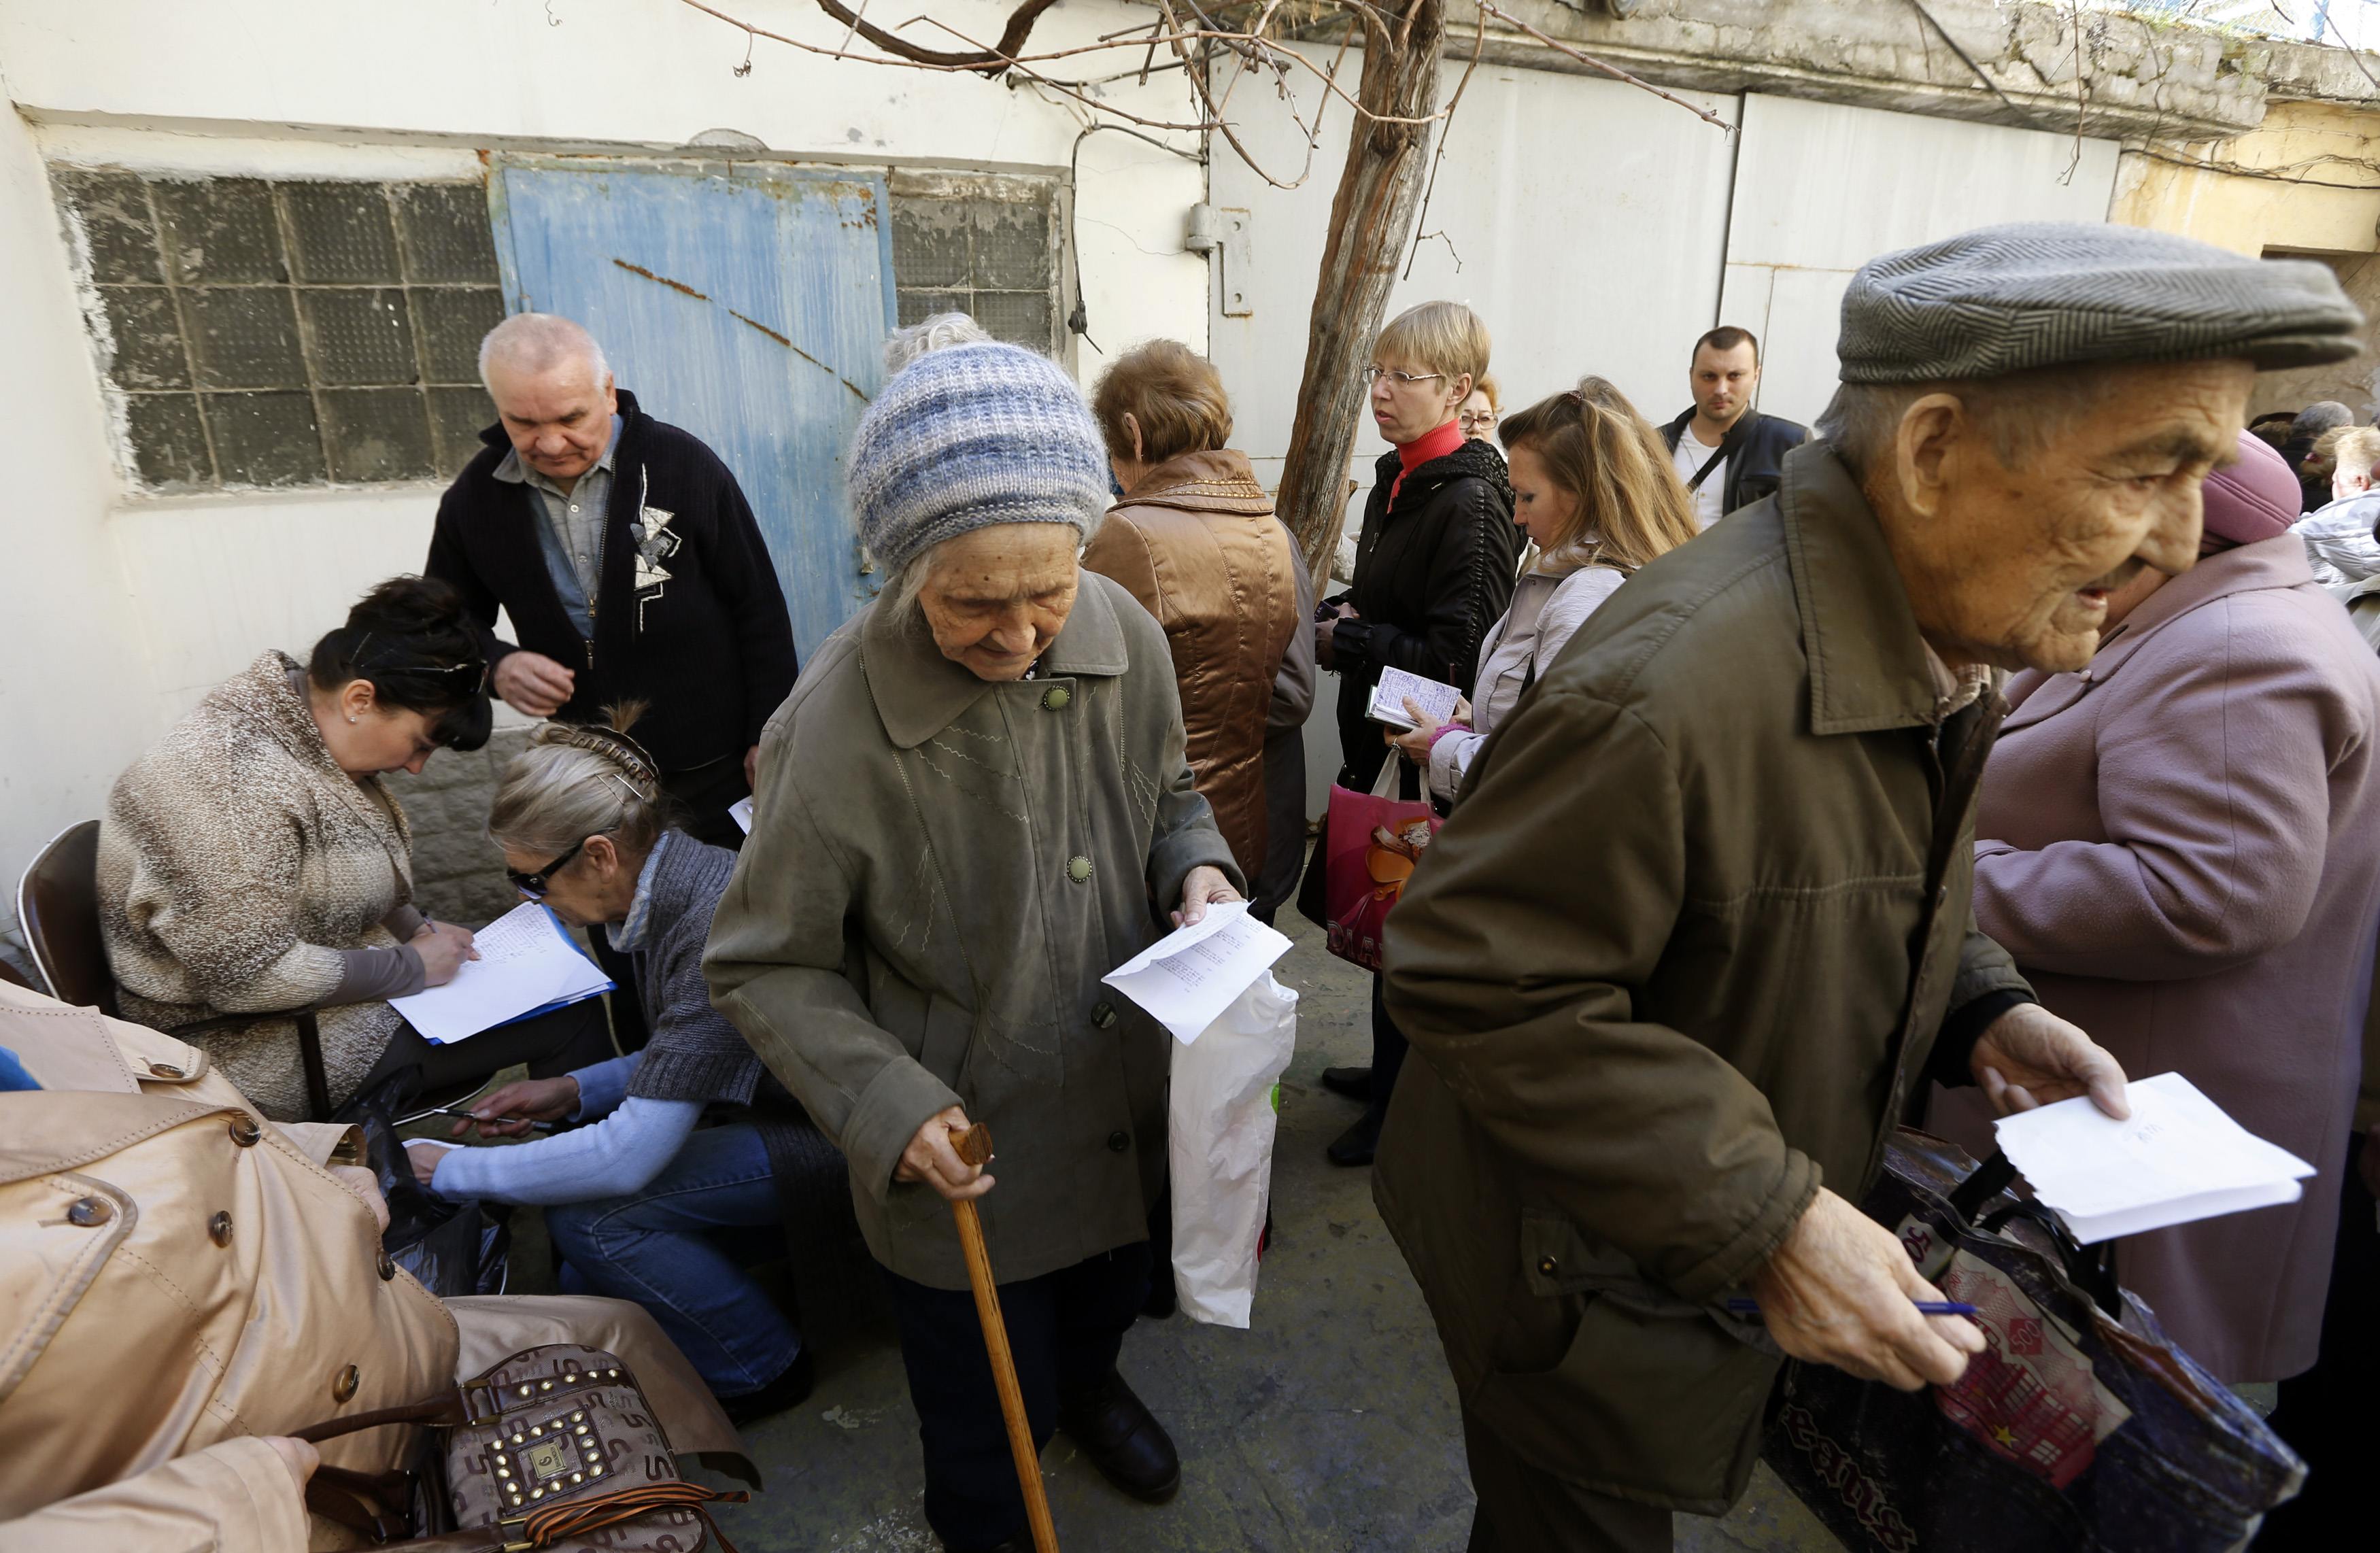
x: 165, y: 1070
x: 245, y: 1132
x: 1547, y: 1266
x: 1119, y: 1141
x: 86, y: 1213
x: 1056, y: 698
x: 1078, y: 869
x: 387, y: 1266
x: 343, y: 1384
x: 1103, y: 1015
x: 219, y: 1229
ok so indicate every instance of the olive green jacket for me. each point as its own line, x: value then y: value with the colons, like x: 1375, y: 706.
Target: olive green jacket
x: 1681, y: 955
x: 940, y: 870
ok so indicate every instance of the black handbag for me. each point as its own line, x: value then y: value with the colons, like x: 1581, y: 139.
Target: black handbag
x: 451, y: 1248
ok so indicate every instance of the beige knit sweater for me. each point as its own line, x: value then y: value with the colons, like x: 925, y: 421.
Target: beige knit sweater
x: 236, y: 860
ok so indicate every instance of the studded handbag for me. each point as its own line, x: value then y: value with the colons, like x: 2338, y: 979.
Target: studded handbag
x: 555, y: 1448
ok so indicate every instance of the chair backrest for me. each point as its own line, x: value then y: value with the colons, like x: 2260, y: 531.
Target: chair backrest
x: 58, y: 905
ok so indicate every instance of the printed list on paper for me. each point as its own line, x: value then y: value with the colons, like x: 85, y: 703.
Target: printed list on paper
x: 1186, y: 979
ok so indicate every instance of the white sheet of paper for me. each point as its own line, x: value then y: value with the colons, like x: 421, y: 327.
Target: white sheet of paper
x: 523, y: 963
x: 1388, y: 704
x: 741, y: 812
x: 2178, y: 1159
x: 1187, y: 978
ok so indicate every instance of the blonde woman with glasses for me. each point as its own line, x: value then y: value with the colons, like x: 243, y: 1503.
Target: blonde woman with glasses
x: 1433, y: 570
x: 1593, y: 489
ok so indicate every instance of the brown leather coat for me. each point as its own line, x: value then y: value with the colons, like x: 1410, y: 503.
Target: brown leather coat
x: 1196, y: 541
x: 177, y: 1275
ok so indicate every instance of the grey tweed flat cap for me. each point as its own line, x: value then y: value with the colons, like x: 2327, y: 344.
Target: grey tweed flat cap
x: 2008, y: 298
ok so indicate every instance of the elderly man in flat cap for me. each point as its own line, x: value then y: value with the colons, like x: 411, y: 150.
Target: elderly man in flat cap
x: 1701, y: 926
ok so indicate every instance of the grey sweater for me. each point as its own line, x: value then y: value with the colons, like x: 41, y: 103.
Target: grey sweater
x: 695, y: 1054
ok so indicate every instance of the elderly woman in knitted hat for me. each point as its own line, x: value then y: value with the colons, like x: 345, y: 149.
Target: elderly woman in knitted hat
x: 976, y: 804
x: 2180, y: 845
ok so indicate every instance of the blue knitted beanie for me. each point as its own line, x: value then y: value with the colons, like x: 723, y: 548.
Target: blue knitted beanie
x: 968, y: 436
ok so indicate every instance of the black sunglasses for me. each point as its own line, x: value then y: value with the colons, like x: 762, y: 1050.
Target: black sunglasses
x: 534, y: 885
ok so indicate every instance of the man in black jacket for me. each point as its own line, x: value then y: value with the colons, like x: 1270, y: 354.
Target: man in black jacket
x: 1728, y: 452
x: 629, y: 563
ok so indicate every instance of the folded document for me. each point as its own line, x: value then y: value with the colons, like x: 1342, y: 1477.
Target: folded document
x: 1188, y: 977
x: 525, y: 966
x: 2178, y: 1158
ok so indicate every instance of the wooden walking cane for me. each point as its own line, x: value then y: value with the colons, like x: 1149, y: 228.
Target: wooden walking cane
x: 974, y: 1146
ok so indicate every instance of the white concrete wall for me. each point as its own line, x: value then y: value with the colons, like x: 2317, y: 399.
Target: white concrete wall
x: 1583, y: 220
x: 1822, y: 189
x: 74, y: 671
x: 120, y: 611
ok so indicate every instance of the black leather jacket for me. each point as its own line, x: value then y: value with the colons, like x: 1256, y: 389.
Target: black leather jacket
x: 1755, y: 459
x: 1432, y: 573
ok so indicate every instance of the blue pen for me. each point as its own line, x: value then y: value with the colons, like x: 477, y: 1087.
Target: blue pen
x: 1924, y: 1307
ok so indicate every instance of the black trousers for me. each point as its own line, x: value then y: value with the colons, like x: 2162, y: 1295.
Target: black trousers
x: 1388, y: 1051
x: 1065, y: 1329
x: 551, y: 1044
x: 702, y: 797
x: 2326, y: 1413
x: 1522, y: 1510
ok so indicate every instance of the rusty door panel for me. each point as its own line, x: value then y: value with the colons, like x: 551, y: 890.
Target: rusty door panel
x: 747, y: 302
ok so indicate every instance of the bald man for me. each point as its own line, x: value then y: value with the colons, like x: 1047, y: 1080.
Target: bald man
x: 629, y: 563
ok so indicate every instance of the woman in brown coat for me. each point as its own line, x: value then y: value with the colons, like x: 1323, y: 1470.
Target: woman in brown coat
x: 1196, y: 541
x: 2180, y: 846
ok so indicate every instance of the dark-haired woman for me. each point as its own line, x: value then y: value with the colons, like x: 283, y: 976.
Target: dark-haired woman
x: 253, y: 862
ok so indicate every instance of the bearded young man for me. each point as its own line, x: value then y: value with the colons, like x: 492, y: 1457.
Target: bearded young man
x: 1726, y: 453
x: 1702, y: 927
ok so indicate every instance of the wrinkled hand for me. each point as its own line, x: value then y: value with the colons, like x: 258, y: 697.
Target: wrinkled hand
x: 364, y: 1184
x: 1840, y: 1291
x: 1414, y: 745
x: 533, y: 684
x: 442, y: 947
x: 930, y: 1159
x: 508, y: 1112
x: 2029, y: 1057
x: 299, y: 1456
x: 1205, y: 885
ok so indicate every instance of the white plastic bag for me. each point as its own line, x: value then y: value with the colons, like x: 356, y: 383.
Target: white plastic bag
x: 1225, y: 1103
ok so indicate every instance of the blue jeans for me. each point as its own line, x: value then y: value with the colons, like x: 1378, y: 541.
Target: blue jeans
x: 672, y: 1249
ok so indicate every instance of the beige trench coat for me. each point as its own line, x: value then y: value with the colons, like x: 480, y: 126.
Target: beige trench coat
x: 178, y: 1276
x: 941, y: 871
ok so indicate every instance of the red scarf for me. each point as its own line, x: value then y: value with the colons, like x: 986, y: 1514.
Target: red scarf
x: 1422, y: 449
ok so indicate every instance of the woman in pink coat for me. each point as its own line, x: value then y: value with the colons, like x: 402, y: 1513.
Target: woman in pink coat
x: 2184, y: 859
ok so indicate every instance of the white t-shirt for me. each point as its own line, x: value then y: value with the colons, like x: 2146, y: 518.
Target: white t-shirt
x: 1690, y: 457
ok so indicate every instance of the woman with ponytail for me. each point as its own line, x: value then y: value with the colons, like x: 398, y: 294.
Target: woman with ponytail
x: 1598, y: 497
x: 646, y: 1204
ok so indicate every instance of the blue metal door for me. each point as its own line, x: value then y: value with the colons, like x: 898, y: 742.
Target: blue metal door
x: 747, y: 302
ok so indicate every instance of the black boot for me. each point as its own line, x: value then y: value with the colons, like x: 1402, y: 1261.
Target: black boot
x: 1358, y: 1143
x: 786, y: 1390
x: 1123, y: 1439
x: 1354, y: 1083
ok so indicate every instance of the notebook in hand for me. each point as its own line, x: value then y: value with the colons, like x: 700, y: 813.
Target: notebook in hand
x: 1435, y: 699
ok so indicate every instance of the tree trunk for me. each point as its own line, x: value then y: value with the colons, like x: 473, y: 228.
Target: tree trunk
x: 1371, y: 221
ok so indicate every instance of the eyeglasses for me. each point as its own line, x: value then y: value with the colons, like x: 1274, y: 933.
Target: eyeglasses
x: 535, y: 885
x: 1403, y: 379
x: 1475, y: 420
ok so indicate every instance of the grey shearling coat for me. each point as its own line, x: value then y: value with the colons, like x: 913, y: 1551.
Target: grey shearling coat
x: 904, y: 931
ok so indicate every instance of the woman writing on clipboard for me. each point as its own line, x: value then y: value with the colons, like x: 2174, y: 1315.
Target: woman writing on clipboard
x: 646, y: 1204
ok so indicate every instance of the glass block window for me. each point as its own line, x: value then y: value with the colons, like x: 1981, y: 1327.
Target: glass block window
x: 261, y: 333
x: 985, y: 246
